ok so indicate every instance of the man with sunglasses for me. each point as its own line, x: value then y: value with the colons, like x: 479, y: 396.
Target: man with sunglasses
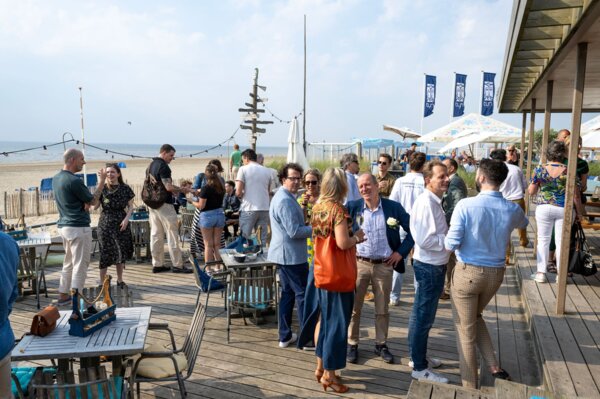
x: 385, y: 180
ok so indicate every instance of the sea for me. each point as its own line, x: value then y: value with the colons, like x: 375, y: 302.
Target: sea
x: 31, y: 152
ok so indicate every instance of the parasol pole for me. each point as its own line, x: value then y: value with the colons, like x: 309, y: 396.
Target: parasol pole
x: 304, y: 103
x: 82, y: 134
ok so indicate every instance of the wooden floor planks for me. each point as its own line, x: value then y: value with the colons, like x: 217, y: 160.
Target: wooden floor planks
x: 253, y: 365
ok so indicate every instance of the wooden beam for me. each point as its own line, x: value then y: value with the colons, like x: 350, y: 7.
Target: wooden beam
x: 547, y: 116
x: 530, y: 62
x: 534, y: 54
x: 549, y: 18
x: 543, y: 32
x: 571, y: 176
x: 538, y: 5
x: 536, y: 69
x: 523, y: 130
x: 539, y: 44
x: 530, y: 153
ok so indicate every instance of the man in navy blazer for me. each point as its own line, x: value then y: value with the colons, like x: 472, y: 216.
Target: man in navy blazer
x: 377, y: 257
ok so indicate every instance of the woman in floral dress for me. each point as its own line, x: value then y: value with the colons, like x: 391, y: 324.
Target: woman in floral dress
x: 114, y: 234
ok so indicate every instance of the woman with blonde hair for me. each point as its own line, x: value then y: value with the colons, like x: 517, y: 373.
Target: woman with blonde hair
x: 330, y: 219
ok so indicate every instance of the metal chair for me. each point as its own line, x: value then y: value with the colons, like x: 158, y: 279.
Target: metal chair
x: 190, y: 349
x: 93, y: 383
x: 187, y: 218
x: 251, y: 290
x: 33, y: 274
x: 121, y: 296
x: 221, y: 274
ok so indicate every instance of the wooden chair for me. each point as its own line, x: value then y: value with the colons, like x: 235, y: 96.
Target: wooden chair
x: 31, y: 271
x: 93, y: 383
x: 251, y: 290
x: 180, y: 363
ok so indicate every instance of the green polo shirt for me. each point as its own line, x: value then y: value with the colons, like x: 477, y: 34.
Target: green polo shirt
x: 71, y: 195
x: 236, y: 158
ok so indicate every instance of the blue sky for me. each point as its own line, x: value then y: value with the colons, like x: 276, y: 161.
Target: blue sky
x: 179, y: 70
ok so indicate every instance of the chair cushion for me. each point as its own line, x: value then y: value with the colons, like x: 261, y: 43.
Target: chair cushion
x: 160, y: 367
x: 24, y: 375
x: 253, y: 297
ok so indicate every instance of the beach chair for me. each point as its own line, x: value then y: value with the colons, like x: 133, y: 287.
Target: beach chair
x: 185, y: 230
x: 215, y: 281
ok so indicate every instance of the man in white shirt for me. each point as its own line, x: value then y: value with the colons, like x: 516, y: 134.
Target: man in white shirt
x: 351, y: 167
x: 513, y: 189
x: 252, y: 186
x: 405, y: 191
x: 428, y: 227
x: 275, y: 183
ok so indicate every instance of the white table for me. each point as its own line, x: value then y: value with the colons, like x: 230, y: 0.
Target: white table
x: 124, y: 336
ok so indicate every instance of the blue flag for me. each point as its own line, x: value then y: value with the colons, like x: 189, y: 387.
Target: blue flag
x: 460, y: 86
x: 429, y: 95
x: 487, y: 94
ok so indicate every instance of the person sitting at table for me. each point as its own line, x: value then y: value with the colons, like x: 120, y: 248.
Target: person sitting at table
x: 181, y: 200
x: 231, y: 207
x: 9, y: 263
x: 212, y: 217
x: 114, y: 233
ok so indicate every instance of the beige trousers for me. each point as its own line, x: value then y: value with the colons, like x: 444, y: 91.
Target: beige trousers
x: 380, y: 277
x: 5, y: 379
x: 472, y: 289
x: 77, y: 242
x: 163, y: 221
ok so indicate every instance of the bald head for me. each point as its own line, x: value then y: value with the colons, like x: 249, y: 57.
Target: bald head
x: 73, y: 160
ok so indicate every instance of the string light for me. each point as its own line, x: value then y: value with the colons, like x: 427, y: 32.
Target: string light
x: 279, y: 119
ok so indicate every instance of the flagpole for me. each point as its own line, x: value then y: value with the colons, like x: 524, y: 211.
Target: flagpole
x: 453, y: 99
x: 304, y: 98
x: 423, y: 102
x: 82, y: 134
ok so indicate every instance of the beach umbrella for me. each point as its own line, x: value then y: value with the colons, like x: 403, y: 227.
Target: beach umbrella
x: 296, y: 146
x: 593, y: 125
x: 471, y: 124
x: 404, y: 132
x: 472, y: 137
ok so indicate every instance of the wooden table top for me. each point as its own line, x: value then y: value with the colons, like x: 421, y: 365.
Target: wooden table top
x: 124, y: 336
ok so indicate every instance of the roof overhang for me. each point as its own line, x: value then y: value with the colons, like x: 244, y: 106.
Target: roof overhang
x: 542, y: 46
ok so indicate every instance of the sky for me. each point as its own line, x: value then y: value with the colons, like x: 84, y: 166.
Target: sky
x: 179, y: 70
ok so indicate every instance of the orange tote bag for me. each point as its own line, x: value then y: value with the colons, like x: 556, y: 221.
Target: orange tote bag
x: 335, y: 269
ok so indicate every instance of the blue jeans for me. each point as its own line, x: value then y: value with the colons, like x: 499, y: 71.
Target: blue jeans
x: 430, y: 279
x: 396, y: 286
x: 212, y: 218
x: 292, y: 279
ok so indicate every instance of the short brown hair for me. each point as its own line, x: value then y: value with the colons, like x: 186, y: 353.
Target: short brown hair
x: 417, y: 160
x: 166, y: 148
x: 428, y: 168
x: 386, y: 156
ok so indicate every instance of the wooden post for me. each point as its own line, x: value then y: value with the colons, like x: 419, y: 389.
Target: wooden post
x: 359, y: 150
x: 523, y: 131
x: 5, y: 205
x: 37, y: 201
x: 20, y: 201
x: 547, y: 115
x: 530, y: 152
x: 571, y: 171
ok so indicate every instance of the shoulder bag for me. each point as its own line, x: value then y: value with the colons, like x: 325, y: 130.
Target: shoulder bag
x: 580, y: 257
x: 335, y: 269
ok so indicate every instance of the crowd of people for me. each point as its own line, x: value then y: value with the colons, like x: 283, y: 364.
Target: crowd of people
x: 335, y: 236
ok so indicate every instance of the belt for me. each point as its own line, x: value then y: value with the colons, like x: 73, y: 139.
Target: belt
x: 369, y: 260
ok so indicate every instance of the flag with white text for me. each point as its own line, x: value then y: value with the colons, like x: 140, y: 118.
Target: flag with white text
x: 487, y: 94
x: 429, y: 95
x: 460, y: 85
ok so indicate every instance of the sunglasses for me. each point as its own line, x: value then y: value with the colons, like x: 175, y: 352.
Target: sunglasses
x: 311, y: 182
x: 382, y: 163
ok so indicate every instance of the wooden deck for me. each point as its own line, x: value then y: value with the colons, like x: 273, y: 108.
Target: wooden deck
x: 568, y: 345
x: 254, y: 366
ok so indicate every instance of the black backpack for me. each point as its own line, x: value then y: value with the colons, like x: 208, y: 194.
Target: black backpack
x: 154, y: 193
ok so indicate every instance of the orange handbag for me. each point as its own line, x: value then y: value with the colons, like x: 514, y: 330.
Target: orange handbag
x: 335, y: 269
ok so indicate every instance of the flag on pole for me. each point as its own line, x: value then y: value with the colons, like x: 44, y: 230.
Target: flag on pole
x: 487, y: 94
x: 429, y: 95
x: 460, y: 84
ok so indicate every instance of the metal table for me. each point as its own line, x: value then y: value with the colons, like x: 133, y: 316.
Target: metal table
x: 124, y: 336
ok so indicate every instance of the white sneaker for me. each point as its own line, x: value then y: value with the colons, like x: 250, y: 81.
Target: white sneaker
x: 290, y: 341
x: 433, y: 362
x: 428, y: 375
x: 394, y: 302
x: 539, y: 277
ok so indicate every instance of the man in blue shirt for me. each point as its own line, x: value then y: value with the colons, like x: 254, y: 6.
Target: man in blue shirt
x: 351, y: 166
x: 480, y: 230
x: 9, y: 262
x: 288, y: 250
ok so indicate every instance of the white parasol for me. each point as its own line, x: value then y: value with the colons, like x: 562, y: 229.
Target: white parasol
x: 296, y: 146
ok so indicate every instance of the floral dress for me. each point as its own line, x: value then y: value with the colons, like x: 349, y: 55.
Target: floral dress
x: 552, y: 189
x: 116, y: 246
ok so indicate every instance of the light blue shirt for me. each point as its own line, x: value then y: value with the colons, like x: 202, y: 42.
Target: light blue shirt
x: 373, y: 224
x: 481, y: 226
x: 288, y: 231
x: 353, y: 193
x: 9, y: 263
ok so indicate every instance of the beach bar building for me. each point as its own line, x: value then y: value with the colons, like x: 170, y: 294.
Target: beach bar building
x: 552, y: 65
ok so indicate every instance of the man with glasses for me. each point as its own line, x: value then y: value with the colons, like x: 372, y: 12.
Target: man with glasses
x: 288, y: 250
x: 351, y: 167
x: 385, y: 180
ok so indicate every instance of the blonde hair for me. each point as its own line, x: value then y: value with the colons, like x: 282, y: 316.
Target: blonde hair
x: 334, y: 186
